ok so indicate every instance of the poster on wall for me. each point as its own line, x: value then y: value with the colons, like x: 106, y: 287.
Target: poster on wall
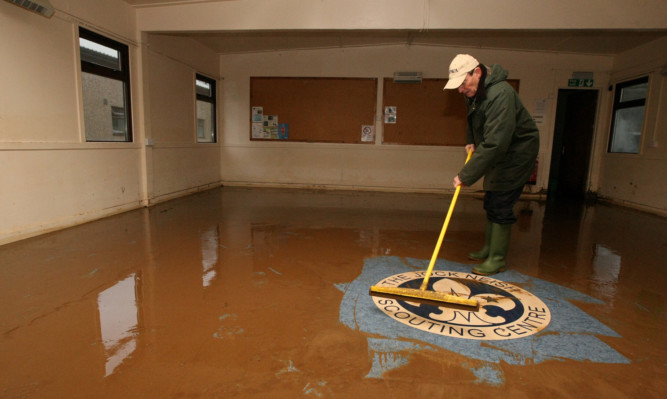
x: 257, y: 114
x: 390, y: 114
x: 367, y: 133
x: 283, y: 131
x: 257, y: 130
x: 270, y: 127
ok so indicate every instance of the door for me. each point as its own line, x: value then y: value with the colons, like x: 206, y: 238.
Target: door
x: 573, y: 141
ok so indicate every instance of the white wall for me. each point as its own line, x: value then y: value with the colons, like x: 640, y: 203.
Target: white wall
x: 640, y: 180
x: 637, y: 181
x: 176, y: 163
x: 403, y: 14
x: 379, y: 166
x: 51, y: 177
x: 417, y: 168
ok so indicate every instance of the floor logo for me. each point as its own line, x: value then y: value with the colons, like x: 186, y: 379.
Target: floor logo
x: 505, y: 311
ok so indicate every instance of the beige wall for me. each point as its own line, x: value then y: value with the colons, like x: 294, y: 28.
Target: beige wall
x: 404, y: 14
x: 418, y: 168
x: 640, y: 180
x: 51, y: 177
x: 637, y: 181
x: 379, y: 166
x: 177, y: 164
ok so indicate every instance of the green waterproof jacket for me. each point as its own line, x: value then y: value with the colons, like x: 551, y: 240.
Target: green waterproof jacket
x: 506, y: 137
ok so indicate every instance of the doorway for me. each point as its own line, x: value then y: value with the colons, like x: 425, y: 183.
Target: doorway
x: 573, y: 141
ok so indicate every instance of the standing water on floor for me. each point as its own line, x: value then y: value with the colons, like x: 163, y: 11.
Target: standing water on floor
x: 241, y: 293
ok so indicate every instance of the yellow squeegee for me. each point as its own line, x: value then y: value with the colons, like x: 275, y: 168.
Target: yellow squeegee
x: 421, y: 294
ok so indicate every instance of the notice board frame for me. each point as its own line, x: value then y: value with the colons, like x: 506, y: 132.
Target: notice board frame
x: 316, y: 109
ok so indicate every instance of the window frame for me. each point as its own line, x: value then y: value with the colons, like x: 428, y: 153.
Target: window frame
x: 618, y: 105
x: 117, y: 114
x: 212, y: 99
x: 122, y: 74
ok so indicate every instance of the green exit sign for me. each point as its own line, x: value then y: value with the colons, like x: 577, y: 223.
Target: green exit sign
x: 580, y: 82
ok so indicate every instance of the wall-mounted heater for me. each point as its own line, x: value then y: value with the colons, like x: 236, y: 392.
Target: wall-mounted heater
x: 41, y: 7
x: 407, y: 77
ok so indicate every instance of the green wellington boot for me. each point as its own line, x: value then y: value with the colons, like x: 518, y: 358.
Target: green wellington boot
x: 500, y: 241
x: 484, y: 252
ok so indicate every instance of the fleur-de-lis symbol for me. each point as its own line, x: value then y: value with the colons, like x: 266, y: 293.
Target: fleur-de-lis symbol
x: 470, y: 317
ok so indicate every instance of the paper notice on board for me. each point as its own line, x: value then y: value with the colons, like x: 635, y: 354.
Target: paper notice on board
x: 257, y: 130
x: 270, y: 126
x: 283, y: 131
x: 270, y: 120
x: 367, y: 133
x: 390, y: 114
x: 257, y: 114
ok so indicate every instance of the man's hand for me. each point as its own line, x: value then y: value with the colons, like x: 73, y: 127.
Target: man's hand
x: 457, y: 182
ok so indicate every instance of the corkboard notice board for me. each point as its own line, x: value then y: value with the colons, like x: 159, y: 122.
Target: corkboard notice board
x: 425, y: 113
x: 318, y: 110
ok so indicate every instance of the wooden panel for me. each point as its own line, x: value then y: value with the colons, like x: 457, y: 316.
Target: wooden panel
x: 323, y: 110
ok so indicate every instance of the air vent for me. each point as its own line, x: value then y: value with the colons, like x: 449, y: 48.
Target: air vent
x: 41, y: 7
x: 407, y: 77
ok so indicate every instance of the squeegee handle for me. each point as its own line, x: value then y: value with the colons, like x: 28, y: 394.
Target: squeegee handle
x: 442, y: 233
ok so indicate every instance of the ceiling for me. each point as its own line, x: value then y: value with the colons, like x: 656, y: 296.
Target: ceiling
x: 591, y: 41
x: 598, y: 42
x: 162, y: 2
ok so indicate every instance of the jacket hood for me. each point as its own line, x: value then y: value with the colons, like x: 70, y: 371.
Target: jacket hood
x: 497, y: 74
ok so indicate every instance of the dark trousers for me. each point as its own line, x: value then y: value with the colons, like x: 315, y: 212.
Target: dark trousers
x: 499, y: 205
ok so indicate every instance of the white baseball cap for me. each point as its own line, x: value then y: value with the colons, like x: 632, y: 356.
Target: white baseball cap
x: 461, y: 64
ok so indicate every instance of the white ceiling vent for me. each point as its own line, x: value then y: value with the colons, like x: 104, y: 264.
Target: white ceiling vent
x: 407, y: 77
x: 41, y: 7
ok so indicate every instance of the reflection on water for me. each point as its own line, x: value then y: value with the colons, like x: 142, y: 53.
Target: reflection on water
x: 118, y: 321
x: 267, y: 238
x: 209, y: 255
x: 370, y: 238
x: 166, y: 325
x: 606, y: 269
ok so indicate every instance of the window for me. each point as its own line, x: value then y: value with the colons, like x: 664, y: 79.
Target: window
x: 628, y: 116
x: 105, y: 79
x: 205, y: 89
x: 118, y: 122
x: 201, y: 128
